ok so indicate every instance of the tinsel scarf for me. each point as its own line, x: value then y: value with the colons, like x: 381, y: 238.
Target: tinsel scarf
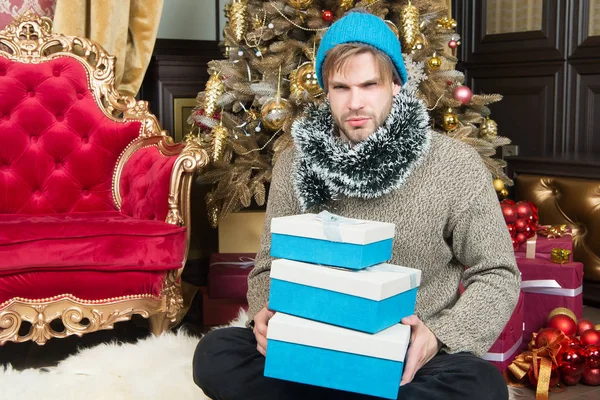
x: 328, y: 167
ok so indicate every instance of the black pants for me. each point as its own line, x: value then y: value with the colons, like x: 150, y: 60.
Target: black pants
x: 228, y: 366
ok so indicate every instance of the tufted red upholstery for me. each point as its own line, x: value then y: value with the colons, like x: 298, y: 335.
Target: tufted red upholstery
x: 58, y: 150
x: 145, y: 184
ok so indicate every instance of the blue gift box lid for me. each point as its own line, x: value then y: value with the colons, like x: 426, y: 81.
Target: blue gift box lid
x: 326, y: 226
x: 389, y: 344
x: 378, y: 282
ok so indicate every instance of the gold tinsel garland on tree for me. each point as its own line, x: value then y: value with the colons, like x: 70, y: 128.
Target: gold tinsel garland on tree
x: 244, y: 117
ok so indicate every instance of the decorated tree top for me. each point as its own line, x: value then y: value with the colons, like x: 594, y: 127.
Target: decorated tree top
x: 268, y: 76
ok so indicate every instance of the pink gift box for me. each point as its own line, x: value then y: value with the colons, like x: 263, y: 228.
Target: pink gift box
x: 219, y: 311
x: 510, y: 342
x: 228, y: 275
x: 547, y: 286
x: 541, y: 246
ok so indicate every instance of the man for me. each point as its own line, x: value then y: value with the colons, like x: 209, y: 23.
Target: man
x: 369, y: 154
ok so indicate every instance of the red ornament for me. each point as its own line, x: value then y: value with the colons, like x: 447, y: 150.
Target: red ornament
x: 570, y: 341
x: 520, y: 225
x: 327, y: 15
x: 524, y: 210
x: 510, y: 212
x: 593, y: 356
x: 591, y: 376
x: 591, y: 336
x: 462, y: 94
x: 572, y: 361
x: 529, y: 231
x: 509, y: 202
x: 453, y: 44
x: 554, y: 376
x: 583, y: 325
x: 511, y: 230
x: 570, y: 380
x: 546, y: 336
x: 521, y: 238
x: 534, y: 209
x: 515, y: 243
x: 564, y: 323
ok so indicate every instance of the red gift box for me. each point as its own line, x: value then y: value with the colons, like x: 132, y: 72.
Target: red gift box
x: 547, y: 286
x: 219, y: 311
x: 510, y: 341
x: 228, y: 275
x: 542, y: 246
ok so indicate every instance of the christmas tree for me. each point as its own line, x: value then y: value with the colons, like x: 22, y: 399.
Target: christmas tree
x: 243, y: 118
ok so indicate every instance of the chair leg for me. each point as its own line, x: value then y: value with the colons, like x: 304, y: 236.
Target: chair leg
x: 159, y: 323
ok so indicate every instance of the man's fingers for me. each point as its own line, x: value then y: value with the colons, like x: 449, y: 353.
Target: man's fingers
x: 412, y: 320
x: 261, y: 350
x: 410, y: 366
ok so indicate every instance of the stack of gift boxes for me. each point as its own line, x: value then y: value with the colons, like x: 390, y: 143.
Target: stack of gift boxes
x: 549, y: 279
x: 338, y: 304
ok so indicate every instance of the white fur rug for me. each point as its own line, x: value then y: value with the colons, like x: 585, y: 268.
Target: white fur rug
x: 156, y: 368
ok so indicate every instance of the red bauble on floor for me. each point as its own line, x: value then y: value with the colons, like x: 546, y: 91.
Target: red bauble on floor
x: 564, y: 323
x: 583, y: 325
x: 570, y: 380
x: 591, y: 376
x: 554, y: 376
x: 546, y: 336
x: 572, y: 361
x: 593, y: 356
x: 591, y: 336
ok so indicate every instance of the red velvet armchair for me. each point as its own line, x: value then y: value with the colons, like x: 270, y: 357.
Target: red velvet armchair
x: 94, y: 197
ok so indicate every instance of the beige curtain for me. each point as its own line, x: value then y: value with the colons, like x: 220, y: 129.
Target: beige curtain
x: 507, y: 16
x: 126, y: 29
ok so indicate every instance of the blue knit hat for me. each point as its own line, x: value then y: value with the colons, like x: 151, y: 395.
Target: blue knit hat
x: 361, y: 27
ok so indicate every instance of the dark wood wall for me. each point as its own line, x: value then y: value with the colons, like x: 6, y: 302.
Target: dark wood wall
x: 178, y: 70
x: 550, y: 79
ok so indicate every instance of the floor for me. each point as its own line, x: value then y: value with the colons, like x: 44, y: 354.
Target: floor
x: 30, y: 355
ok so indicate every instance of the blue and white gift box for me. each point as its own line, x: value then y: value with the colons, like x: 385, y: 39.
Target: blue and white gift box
x: 367, y: 300
x: 329, y: 239
x: 314, y: 353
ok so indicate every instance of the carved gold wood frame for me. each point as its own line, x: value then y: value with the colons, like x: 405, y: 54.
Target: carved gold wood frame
x: 29, y: 39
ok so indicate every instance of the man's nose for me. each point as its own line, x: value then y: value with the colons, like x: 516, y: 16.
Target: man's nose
x: 356, y: 101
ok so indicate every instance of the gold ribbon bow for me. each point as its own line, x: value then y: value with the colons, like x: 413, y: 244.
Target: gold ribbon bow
x: 553, y: 231
x: 559, y: 256
x: 541, y: 359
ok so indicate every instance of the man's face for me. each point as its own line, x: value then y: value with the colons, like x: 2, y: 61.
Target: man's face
x: 360, y: 98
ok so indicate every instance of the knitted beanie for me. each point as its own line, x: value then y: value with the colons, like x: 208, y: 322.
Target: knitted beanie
x: 361, y: 27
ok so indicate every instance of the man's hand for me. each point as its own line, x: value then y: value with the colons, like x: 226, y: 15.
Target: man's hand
x: 261, y: 320
x: 423, y: 346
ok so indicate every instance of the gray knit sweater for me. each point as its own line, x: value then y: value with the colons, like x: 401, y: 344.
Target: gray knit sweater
x: 447, y: 217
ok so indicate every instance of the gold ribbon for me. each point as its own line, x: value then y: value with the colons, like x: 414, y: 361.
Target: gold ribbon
x: 553, y: 231
x: 541, y: 359
x: 559, y: 256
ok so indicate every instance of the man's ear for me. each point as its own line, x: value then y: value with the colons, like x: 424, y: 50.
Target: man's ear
x: 397, y: 87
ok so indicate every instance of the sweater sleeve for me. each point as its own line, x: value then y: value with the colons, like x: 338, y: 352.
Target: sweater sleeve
x: 282, y: 201
x: 480, y: 241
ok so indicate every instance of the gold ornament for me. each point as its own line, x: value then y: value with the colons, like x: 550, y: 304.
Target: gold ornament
x: 563, y: 311
x: 393, y: 27
x: 434, y: 62
x: 214, y: 89
x: 296, y: 90
x: 237, y: 17
x: 420, y: 42
x: 488, y: 128
x: 213, y: 215
x: 346, y: 4
x: 498, y: 184
x: 300, y: 4
x: 503, y: 193
x: 306, y: 78
x: 219, y: 136
x: 447, y: 23
x: 450, y: 121
x: 275, y: 112
x: 409, y: 20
